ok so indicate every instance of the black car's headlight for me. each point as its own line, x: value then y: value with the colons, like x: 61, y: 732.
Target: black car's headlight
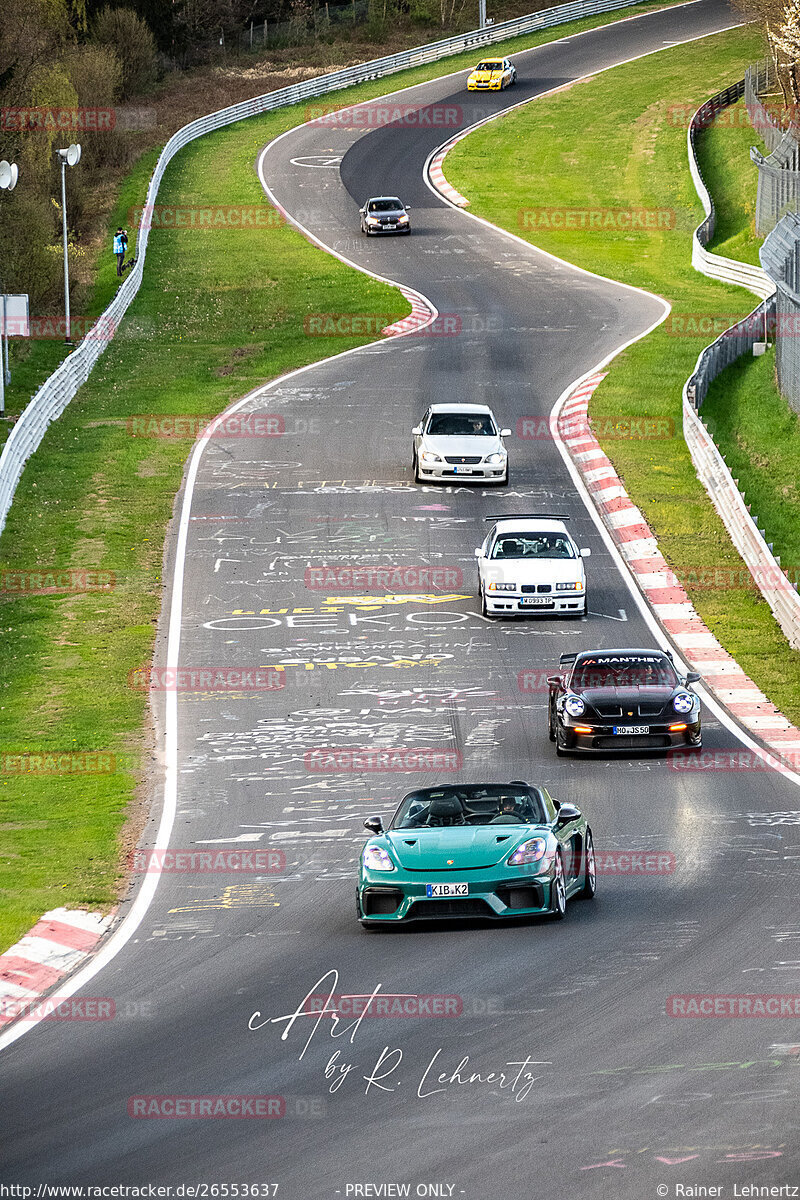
x: 574, y: 706
x: 375, y: 858
x: 683, y: 702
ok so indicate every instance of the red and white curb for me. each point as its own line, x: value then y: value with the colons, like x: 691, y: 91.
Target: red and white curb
x: 58, y: 943
x: 661, y: 587
x: 437, y: 176
x: 420, y: 315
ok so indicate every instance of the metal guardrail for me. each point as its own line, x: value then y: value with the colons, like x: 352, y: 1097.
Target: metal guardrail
x: 716, y: 266
x: 56, y: 392
x: 780, y: 256
x: 712, y: 470
x: 778, y: 171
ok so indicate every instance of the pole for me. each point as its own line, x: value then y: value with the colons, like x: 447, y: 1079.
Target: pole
x: 2, y: 373
x: 481, y: 14
x: 68, y: 338
x: 6, y: 371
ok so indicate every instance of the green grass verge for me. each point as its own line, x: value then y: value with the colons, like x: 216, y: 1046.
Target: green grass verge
x: 760, y: 437
x: 631, y: 153
x: 216, y: 315
x: 723, y: 152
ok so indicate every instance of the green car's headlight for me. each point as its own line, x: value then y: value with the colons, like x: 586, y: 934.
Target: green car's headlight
x: 529, y: 852
x: 376, y: 859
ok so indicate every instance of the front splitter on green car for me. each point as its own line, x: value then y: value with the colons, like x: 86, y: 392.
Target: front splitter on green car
x: 496, y: 851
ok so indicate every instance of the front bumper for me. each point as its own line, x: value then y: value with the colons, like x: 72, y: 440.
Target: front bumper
x: 493, y: 894
x: 602, y: 739
x: 494, y: 86
x: 556, y: 602
x: 443, y: 470
x: 387, y: 228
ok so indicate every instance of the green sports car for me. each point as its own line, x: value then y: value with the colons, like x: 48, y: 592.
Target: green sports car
x: 475, y: 850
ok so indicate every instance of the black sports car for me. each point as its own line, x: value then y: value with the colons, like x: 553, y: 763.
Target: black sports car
x: 622, y: 700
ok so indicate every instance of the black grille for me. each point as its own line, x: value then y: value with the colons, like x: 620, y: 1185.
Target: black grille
x: 650, y: 710
x: 541, y: 588
x: 608, y: 710
x: 467, y: 461
x: 381, y: 903
x: 530, y: 896
x: 651, y: 741
x: 422, y: 909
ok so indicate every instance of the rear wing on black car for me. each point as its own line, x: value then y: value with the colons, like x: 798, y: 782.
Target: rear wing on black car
x: 566, y: 660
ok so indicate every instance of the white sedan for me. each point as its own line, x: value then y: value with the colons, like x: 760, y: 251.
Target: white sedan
x: 531, y: 565
x: 459, y: 441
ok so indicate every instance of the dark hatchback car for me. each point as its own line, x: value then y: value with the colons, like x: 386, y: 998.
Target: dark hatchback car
x: 384, y: 214
x: 612, y: 700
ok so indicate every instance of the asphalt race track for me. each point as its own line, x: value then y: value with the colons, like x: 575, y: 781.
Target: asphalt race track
x: 608, y: 1091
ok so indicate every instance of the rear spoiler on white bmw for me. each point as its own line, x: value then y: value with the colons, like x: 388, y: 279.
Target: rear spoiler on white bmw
x: 528, y: 517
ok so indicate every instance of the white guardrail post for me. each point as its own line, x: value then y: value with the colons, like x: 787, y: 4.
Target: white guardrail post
x: 712, y: 470
x: 58, y: 390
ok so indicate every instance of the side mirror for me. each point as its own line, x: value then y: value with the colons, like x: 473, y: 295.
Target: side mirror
x: 555, y: 680
x: 417, y: 431
x: 693, y: 677
x: 362, y: 211
x: 505, y: 433
x: 374, y: 824
x: 477, y: 552
x: 586, y: 552
x: 567, y: 813
x: 407, y: 207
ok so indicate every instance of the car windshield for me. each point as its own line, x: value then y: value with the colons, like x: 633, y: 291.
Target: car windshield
x: 490, y: 804
x: 456, y: 424
x: 384, y: 206
x: 604, y: 672
x: 532, y: 545
x: 489, y: 66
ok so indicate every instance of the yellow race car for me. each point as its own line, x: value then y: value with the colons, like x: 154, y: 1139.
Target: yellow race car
x: 492, y: 75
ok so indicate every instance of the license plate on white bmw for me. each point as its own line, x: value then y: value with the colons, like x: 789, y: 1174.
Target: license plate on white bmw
x: 536, y: 600
x: 631, y: 729
x: 447, y: 889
